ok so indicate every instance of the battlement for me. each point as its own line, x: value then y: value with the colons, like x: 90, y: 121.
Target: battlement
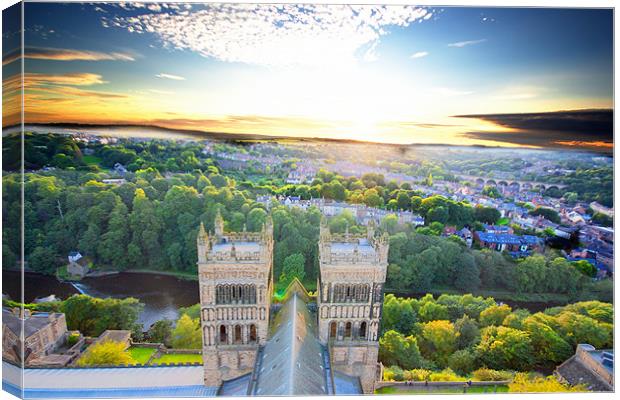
x: 352, y: 249
x: 234, y: 246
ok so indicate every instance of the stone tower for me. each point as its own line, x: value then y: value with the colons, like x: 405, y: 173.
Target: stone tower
x: 350, y: 298
x: 236, y: 284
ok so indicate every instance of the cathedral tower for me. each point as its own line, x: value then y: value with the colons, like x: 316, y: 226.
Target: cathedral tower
x: 350, y: 298
x: 235, y: 276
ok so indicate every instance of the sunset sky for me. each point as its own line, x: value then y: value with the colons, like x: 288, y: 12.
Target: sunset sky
x: 389, y: 73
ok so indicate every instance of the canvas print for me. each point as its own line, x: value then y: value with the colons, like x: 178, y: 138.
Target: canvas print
x: 238, y: 199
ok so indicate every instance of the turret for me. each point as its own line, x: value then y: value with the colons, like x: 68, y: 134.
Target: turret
x: 370, y: 230
x: 219, y: 224
x: 202, y: 241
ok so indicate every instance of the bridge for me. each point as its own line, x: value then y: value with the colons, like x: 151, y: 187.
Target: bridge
x: 511, y: 183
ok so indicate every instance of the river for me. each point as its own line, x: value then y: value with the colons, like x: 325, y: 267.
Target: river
x: 162, y: 295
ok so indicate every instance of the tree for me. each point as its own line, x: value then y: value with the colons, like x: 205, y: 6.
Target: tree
x: 488, y: 215
x: 467, y: 274
x: 372, y: 198
x: 462, y: 361
x: 431, y: 311
x: 468, y: 332
x: 107, y: 352
x: 585, y: 268
x: 440, y: 340
x: 578, y: 328
x: 43, y: 260
x: 293, y: 268
x: 526, y: 383
x: 547, y: 213
x: 494, y: 315
x: 549, y: 347
x: 256, y: 219
x: 505, y: 348
x: 161, y: 332
x: 396, y: 349
x: 187, y: 334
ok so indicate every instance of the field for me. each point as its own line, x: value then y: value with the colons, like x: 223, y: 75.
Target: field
x: 177, y: 358
x: 91, y: 160
x: 141, y: 354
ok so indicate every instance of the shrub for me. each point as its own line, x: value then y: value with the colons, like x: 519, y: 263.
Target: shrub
x: 447, y: 375
x: 486, y: 374
x: 73, y: 339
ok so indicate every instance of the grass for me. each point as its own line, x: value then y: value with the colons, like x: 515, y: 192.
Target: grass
x: 141, y: 355
x: 177, y: 358
x: 503, y: 221
x: 91, y: 160
x: 442, y: 390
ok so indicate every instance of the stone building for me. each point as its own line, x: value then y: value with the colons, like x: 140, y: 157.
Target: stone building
x: 236, y: 285
x: 349, y: 301
x: 43, y: 333
x: 299, y: 351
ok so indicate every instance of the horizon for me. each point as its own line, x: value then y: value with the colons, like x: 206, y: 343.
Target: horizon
x: 495, y: 77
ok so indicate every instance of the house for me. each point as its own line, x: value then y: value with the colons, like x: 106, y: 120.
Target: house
x: 116, y: 182
x: 499, y: 229
x: 590, y: 367
x: 74, y: 256
x: 78, y: 265
x: 466, y: 235
x: 516, y: 245
x: 43, y: 334
x: 120, y: 169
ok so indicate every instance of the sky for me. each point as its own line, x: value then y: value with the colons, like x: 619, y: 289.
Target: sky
x: 396, y: 74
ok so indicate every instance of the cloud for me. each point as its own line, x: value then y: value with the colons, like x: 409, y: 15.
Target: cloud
x: 170, y: 76
x: 49, y: 53
x: 466, y: 43
x: 419, y: 54
x: 576, y: 128
x: 271, y: 34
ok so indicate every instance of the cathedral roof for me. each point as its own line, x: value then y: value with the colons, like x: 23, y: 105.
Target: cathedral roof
x: 292, y: 362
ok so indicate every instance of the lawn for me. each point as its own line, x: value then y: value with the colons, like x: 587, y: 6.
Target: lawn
x: 178, y: 358
x: 441, y: 390
x: 91, y: 160
x: 503, y: 221
x: 141, y: 354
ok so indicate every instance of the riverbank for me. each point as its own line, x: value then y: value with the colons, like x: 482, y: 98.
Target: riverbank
x: 176, y: 274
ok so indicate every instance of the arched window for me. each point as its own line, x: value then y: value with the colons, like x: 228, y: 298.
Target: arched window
x: 333, y: 330
x: 363, y: 328
x: 253, y: 333
x: 347, y: 330
x: 237, y: 334
x: 223, y: 335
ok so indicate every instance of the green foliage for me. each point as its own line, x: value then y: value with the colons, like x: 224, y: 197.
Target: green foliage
x: 505, y: 348
x: 91, y: 316
x: 161, y: 332
x: 494, y: 315
x: 107, y: 352
x: 72, y: 339
x: 527, y: 383
x: 439, y: 341
x: 187, y: 334
x: 486, y: 374
x: 396, y: 349
x: 547, y: 213
x: 293, y: 268
x: 462, y: 361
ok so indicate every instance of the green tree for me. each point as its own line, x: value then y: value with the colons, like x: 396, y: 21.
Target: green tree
x: 396, y: 349
x: 161, y: 332
x: 494, y: 315
x: 107, y: 352
x: 187, y: 334
x: 440, y: 340
x: 505, y: 348
x: 293, y: 268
